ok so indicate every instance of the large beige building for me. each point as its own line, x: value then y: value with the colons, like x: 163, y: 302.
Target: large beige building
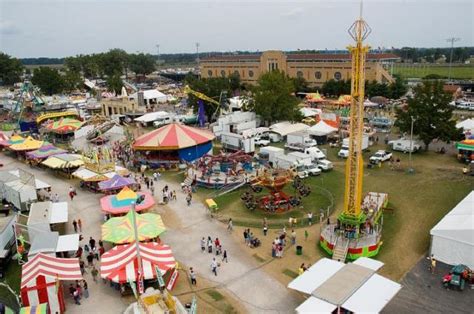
x: 315, y: 68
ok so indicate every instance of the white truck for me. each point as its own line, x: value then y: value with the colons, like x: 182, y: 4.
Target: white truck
x: 269, y: 153
x: 324, y: 164
x: 380, y: 156
x: 292, y: 162
x: 233, y: 141
x: 299, y: 141
x: 344, y: 152
x: 404, y: 145
x: 315, y: 153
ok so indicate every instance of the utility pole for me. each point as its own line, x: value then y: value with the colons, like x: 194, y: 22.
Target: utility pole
x: 197, y: 53
x: 411, y: 170
x: 451, y: 40
x: 158, y: 62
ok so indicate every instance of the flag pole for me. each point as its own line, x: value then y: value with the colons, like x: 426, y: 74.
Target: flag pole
x: 137, y: 247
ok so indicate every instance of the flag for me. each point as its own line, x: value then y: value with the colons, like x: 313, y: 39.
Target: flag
x: 134, y: 288
x: 193, y: 309
x: 159, y: 276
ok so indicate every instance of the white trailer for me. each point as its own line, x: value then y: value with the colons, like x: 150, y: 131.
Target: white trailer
x: 315, y: 153
x: 269, y: 153
x: 300, y: 138
x: 344, y: 152
x: 233, y: 141
x: 301, y: 158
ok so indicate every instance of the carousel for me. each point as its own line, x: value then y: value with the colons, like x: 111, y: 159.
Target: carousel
x: 276, y: 200
x: 224, y: 169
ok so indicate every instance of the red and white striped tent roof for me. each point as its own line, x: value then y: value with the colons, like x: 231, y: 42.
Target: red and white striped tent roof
x: 39, y: 280
x: 172, y: 136
x: 120, y: 264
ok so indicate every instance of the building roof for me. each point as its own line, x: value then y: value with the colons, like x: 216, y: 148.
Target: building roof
x: 304, y: 56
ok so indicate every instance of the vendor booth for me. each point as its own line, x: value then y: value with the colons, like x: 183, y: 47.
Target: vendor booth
x: 120, y: 264
x: 42, y: 281
x: 119, y: 230
x: 116, y: 183
x: 452, y: 239
x: 63, y: 129
x: 15, y: 139
x: 169, y: 145
x: 122, y: 202
x: 465, y: 150
x: 44, y: 152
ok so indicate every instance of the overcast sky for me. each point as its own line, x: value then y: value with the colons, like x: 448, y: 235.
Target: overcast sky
x: 62, y: 28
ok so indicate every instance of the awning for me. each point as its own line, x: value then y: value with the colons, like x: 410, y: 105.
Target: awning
x: 314, y: 305
x: 28, y: 144
x: 48, y: 266
x: 45, y: 151
x: 316, y: 275
x: 122, y: 202
x: 117, y: 182
x: 120, y: 264
x: 63, y: 161
x: 68, y: 243
x: 119, y: 230
x: 48, y: 212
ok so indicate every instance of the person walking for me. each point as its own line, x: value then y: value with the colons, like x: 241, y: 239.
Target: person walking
x: 76, y: 297
x: 293, y: 237
x: 189, y: 197
x: 192, y: 276
x: 94, y: 273
x: 214, y: 266
x: 79, y: 224
x: 85, y: 289
x: 265, y: 230
x: 74, y: 224
x: 90, y: 259
x: 71, y: 193
x: 82, y: 266
x: 310, y: 218
x: 224, y: 256
x: 152, y: 189
x: 209, y: 244
x: 203, y: 245
x: 91, y: 243
x: 230, y: 225
x: 433, y: 264
x: 306, y: 235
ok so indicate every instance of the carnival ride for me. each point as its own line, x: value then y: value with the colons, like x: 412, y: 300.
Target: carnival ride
x: 202, y: 97
x: 358, y: 229
x: 276, y: 201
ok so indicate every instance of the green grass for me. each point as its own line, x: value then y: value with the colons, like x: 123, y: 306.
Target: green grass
x: 290, y: 273
x: 215, y: 295
x: 420, y: 71
x: 12, y: 278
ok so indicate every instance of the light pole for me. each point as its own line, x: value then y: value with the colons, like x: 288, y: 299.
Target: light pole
x: 411, y: 170
x: 451, y: 40
x: 197, y: 53
x: 158, y: 62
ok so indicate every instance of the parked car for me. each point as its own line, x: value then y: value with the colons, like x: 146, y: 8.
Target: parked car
x: 404, y: 145
x: 313, y: 170
x: 324, y: 164
x: 380, y: 156
x: 261, y: 142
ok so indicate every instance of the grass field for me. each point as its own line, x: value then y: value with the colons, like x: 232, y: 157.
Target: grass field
x: 420, y: 71
x: 418, y: 201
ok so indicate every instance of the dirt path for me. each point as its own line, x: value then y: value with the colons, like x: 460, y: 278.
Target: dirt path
x: 242, y: 276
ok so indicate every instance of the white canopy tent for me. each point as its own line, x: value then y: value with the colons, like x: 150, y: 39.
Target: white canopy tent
x: 354, y: 287
x: 321, y: 129
x: 310, y: 112
x: 150, y: 95
x: 285, y: 128
x: 466, y: 125
x: 452, y: 239
x: 48, y: 212
x: 153, y: 116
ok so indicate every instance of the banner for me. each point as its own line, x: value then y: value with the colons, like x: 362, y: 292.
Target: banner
x: 159, y: 276
x: 173, y: 279
x: 134, y: 288
x: 193, y: 309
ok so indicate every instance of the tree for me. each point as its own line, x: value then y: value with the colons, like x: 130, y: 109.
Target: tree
x: 113, y: 62
x: 431, y: 111
x: 234, y: 81
x: 398, y: 88
x: 72, y: 80
x: 336, y: 88
x: 273, y: 99
x: 10, y: 69
x: 48, y: 80
x: 211, y: 87
x: 114, y: 84
x: 141, y: 63
x: 300, y: 84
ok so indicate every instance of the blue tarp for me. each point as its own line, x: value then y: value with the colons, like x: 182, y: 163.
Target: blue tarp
x: 194, y: 152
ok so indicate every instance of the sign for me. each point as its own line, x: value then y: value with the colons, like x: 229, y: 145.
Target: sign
x: 159, y: 276
x: 141, y: 284
x: 172, y: 281
x: 193, y: 309
x: 134, y: 288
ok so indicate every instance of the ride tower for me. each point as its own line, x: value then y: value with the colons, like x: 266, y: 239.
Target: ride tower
x: 358, y: 229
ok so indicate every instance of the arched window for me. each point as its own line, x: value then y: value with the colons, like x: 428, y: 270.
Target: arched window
x: 317, y: 75
x: 209, y: 73
x: 250, y: 73
x: 299, y: 74
x: 337, y: 76
x: 222, y: 73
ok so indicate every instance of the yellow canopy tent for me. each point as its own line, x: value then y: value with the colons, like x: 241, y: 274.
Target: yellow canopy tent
x: 28, y: 144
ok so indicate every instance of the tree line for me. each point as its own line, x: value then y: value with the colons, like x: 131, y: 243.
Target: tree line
x: 393, y: 90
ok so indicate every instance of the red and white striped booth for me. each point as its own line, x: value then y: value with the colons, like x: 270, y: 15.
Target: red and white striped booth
x: 41, y: 280
x: 120, y: 264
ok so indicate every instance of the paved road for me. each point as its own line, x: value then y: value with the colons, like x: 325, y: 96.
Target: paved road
x: 255, y: 289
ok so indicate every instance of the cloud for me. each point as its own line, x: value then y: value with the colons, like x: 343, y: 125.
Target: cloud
x: 8, y: 28
x: 293, y: 13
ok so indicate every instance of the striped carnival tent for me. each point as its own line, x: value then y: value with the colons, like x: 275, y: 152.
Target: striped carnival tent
x: 41, y: 280
x: 120, y: 264
x: 175, y: 141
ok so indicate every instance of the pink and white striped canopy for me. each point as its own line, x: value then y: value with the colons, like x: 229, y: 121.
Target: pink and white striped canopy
x: 172, y: 136
x: 120, y: 264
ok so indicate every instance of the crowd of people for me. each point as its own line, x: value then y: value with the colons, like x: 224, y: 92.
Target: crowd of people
x: 212, y: 246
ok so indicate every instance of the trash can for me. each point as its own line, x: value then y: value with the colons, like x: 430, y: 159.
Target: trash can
x: 299, y: 250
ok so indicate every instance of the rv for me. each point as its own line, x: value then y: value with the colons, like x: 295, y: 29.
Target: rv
x: 268, y: 154
x: 233, y: 141
x: 344, y: 152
